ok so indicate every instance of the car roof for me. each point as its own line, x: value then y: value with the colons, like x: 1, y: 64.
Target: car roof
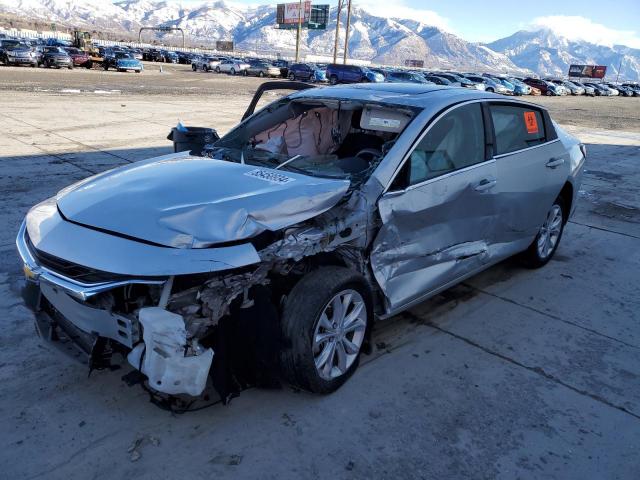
x: 409, y: 94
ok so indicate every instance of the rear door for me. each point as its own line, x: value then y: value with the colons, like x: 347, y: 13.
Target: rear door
x: 438, y: 215
x: 532, y: 167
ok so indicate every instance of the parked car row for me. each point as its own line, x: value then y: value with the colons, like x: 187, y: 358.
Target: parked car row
x: 55, y: 53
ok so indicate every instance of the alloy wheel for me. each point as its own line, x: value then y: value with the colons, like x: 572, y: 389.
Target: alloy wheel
x: 550, y: 232
x: 339, y: 334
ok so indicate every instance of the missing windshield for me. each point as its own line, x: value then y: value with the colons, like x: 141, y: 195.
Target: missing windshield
x: 329, y: 138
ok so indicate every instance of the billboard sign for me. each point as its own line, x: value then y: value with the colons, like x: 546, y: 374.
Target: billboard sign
x: 224, y: 46
x: 587, y: 71
x: 289, y: 13
x: 414, y: 63
x: 315, y: 17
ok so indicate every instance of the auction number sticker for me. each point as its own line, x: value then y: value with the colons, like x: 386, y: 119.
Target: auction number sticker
x: 269, y: 176
x: 531, y: 122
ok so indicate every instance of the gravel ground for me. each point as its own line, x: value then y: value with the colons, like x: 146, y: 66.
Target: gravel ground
x: 598, y: 112
x: 515, y: 374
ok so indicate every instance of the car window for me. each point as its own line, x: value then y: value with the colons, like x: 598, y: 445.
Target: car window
x: 455, y: 141
x: 516, y: 127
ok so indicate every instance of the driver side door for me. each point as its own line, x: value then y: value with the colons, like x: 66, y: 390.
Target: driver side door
x: 439, y: 214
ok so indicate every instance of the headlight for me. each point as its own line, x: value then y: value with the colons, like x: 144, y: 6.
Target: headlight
x: 11, y: 54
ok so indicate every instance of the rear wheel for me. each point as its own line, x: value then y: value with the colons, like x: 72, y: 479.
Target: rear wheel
x: 546, y: 242
x: 232, y: 71
x: 193, y: 67
x: 490, y: 89
x: 333, y: 80
x: 261, y: 73
x: 324, y: 326
x: 217, y: 69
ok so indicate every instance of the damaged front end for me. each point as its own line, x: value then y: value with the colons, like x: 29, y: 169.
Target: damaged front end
x: 187, y: 331
x: 183, y: 264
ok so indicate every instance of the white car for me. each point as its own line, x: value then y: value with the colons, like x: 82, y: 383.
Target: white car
x: 231, y: 66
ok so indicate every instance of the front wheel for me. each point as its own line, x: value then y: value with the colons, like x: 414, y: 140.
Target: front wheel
x: 217, y: 69
x: 232, y: 71
x: 333, y: 80
x: 261, y: 74
x: 325, y: 323
x: 193, y: 67
x: 548, y: 238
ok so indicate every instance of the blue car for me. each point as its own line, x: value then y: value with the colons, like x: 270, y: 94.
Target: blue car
x: 339, y: 73
x: 122, y: 62
x: 307, y: 72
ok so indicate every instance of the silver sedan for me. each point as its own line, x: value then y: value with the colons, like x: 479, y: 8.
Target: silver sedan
x: 270, y: 253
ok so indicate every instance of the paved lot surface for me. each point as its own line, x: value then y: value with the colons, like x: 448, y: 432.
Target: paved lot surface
x: 514, y: 374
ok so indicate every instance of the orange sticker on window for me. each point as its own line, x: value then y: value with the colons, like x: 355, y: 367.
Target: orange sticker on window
x: 531, y: 122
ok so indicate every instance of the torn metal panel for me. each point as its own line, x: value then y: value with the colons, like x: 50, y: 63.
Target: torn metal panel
x: 197, y: 202
x: 172, y: 364
x: 433, y: 233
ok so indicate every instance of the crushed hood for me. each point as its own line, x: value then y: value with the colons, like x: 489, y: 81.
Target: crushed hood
x: 186, y: 201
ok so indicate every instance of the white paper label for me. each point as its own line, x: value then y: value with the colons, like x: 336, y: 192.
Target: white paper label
x: 269, y: 176
x: 384, y: 122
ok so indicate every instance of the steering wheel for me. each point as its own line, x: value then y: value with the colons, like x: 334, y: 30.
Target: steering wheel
x: 369, y: 154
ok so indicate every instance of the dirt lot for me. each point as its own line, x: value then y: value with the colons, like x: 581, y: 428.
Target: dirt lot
x: 513, y: 374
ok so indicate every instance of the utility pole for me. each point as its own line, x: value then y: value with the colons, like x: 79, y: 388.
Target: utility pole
x: 335, y: 44
x: 299, y: 31
x: 619, y: 68
x: 346, y: 33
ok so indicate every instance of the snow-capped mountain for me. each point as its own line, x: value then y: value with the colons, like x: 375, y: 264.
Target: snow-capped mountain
x: 382, y: 40
x: 548, y: 53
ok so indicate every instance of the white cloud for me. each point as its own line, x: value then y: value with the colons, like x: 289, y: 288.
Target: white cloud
x: 581, y: 28
x: 399, y: 9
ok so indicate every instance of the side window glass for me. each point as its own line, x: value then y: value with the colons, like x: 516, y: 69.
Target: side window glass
x: 516, y: 127
x: 455, y: 141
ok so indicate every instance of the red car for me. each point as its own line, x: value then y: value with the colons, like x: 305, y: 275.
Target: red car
x: 79, y: 58
x: 537, y: 83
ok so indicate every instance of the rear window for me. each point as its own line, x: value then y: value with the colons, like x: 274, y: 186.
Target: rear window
x: 517, y: 128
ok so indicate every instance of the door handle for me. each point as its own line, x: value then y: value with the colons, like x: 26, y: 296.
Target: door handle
x: 485, y: 184
x: 555, y: 162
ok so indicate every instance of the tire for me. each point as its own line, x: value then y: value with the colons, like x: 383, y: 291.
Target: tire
x: 292, y: 76
x: 261, y: 74
x: 490, y: 89
x: 217, y: 69
x: 106, y: 67
x: 232, y: 71
x: 541, y: 251
x: 194, y: 68
x: 308, y: 302
x: 70, y: 67
x: 245, y: 73
x: 333, y: 80
x: 89, y: 65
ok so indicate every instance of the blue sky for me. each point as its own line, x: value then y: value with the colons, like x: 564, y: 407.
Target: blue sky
x: 486, y: 20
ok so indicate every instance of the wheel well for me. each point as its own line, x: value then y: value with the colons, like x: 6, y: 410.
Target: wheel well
x: 567, y: 196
